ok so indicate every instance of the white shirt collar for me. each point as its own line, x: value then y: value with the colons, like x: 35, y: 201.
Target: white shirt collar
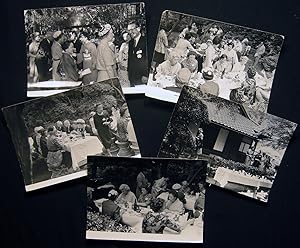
x: 136, y: 40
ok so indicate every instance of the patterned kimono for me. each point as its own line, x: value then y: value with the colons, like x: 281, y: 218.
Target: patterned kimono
x: 157, y: 222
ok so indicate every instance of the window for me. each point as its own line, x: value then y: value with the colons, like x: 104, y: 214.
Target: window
x: 221, y: 140
x: 245, y: 144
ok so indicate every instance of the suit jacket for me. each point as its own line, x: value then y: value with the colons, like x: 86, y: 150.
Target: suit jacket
x: 137, y: 61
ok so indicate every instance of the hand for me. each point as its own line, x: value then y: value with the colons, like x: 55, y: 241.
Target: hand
x: 144, y: 80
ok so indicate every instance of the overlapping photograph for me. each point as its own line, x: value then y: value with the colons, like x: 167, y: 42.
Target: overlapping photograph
x: 54, y: 135
x: 146, y: 199
x: 71, y: 46
x: 244, y: 147
x: 230, y: 61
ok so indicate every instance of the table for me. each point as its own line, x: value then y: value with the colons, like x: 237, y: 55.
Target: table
x: 47, y: 88
x: 225, y: 176
x: 159, y: 89
x: 83, y: 147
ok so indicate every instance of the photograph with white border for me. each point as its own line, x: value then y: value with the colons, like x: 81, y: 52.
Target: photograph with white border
x: 146, y: 199
x: 233, y: 62
x: 54, y: 135
x: 68, y: 47
x: 244, y: 147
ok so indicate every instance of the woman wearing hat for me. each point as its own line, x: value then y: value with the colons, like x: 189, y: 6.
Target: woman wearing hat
x: 209, y: 86
x: 110, y: 208
x: 33, y: 51
x: 106, y: 61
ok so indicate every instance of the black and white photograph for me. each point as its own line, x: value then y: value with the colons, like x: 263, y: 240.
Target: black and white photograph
x: 230, y: 61
x: 244, y: 147
x: 71, y: 46
x: 54, y: 135
x: 146, y: 199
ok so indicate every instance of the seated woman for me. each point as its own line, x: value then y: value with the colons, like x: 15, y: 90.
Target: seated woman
x: 221, y: 67
x: 126, y: 196
x: 110, y: 208
x: 170, y: 67
x: 174, y: 204
x: 190, y: 62
x: 145, y: 198
x: 199, y: 203
x: 156, y: 221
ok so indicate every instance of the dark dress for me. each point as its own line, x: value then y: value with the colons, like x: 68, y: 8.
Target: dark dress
x: 103, y: 130
x: 137, y: 61
x: 111, y: 209
x: 67, y: 68
x: 43, y: 60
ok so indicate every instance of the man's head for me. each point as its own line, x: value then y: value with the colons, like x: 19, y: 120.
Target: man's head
x: 134, y: 29
x: 99, y: 108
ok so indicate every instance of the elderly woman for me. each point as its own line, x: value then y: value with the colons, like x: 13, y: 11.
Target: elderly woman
x: 110, y: 208
x: 144, y: 198
x: 67, y: 128
x: 209, y: 86
x: 106, y: 59
x: 55, y: 156
x: 156, y: 221
x: 126, y: 196
x: 174, y: 204
x: 170, y: 67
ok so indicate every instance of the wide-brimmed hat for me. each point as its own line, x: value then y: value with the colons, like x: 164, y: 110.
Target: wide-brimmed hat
x: 104, y: 29
x: 112, y: 193
x: 191, y: 53
x: 176, y: 186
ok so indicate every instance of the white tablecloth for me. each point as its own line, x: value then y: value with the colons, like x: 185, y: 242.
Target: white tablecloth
x: 81, y: 148
x: 53, y: 84
x: 224, y: 176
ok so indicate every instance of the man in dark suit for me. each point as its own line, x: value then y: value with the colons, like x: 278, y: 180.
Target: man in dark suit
x: 44, y: 58
x: 137, y: 56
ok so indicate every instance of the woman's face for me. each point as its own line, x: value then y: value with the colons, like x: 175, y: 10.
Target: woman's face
x: 125, y: 191
x: 171, y: 198
x: 192, y: 57
x: 144, y: 191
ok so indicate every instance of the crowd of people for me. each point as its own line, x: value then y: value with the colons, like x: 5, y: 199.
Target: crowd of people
x: 49, y: 145
x: 89, y: 55
x: 201, y: 58
x: 258, y: 159
x: 160, y: 198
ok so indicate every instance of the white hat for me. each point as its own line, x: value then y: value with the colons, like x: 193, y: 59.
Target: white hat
x: 203, y: 46
x: 112, y: 192
x: 57, y: 34
x: 104, y: 29
x: 176, y: 186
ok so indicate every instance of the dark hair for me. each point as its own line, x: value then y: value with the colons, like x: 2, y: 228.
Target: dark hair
x: 123, y: 110
x: 50, y: 129
x: 188, y: 36
x: 85, y: 34
x: 58, y: 37
x: 174, y: 193
x: 223, y: 56
x: 112, y: 197
x: 156, y: 204
x: 230, y: 43
x: 66, y: 45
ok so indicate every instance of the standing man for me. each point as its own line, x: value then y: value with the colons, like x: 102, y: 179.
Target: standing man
x: 137, y: 56
x: 141, y: 182
x: 57, y: 52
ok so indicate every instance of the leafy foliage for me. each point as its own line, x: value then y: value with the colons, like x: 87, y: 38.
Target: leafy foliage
x: 175, y: 22
x: 217, y: 162
x: 72, y: 105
